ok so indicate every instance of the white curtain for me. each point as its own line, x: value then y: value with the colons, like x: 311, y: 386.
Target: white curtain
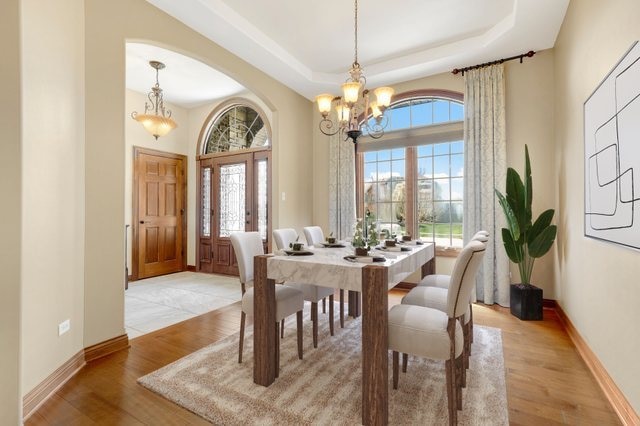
x: 485, y: 169
x: 342, y: 187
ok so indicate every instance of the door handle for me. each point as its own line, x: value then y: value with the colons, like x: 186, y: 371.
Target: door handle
x: 142, y: 222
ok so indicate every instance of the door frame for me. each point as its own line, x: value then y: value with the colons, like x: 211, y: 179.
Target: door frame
x: 262, y: 153
x: 135, y: 252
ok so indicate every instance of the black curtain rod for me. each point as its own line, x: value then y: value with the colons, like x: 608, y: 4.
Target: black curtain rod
x: 499, y: 61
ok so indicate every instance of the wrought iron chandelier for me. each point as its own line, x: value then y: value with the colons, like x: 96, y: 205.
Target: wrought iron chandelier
x: 353, y: 108
x: 160, y: 122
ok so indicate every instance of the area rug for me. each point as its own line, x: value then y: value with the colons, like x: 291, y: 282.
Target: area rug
x: 325, y: 387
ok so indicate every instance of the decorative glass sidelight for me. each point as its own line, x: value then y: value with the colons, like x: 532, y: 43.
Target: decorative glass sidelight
x: 206, y: 201
x: 262, y: 198
x: 232, y: 198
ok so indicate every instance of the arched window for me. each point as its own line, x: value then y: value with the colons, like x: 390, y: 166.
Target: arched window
x: 236, y: 127
x: 412, y: 179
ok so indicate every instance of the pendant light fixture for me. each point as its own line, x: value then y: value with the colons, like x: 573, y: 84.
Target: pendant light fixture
x: 156, y: 119
x: 354, y: 104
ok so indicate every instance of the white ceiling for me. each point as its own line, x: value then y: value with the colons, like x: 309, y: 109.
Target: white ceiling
x: 185, y: 82
x: 308, y: 45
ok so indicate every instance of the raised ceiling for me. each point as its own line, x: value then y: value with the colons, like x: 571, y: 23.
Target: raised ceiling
x: 185, y: 81
x: 308, y: 45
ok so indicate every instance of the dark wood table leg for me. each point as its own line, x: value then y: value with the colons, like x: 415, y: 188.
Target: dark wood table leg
x: 375, y: 342
x: 429, y: 268
x: 264, y: 324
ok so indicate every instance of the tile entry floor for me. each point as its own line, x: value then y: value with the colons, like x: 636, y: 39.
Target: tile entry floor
x: 158, y: 302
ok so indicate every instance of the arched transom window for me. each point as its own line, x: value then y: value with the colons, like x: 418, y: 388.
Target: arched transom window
x: 235, y: 128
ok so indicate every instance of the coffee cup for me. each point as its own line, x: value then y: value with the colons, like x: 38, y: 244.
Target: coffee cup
x: 296, y: 246
x: 331, y: 240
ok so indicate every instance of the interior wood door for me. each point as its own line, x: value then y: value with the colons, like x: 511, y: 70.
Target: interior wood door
x: 234, y: 196
x: 159, y: 213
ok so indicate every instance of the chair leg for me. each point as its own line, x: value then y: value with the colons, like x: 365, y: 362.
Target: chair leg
x: 299, y: 328
x: 324, y: 305
x: 314, y: 318
x: 470, y: 325
x: 331, y: 314
x: 466, y: 330
x: 282, y: 329
x: 459, y: 370
x: 341, y: 308
x: 277, y: 349
x: 396, y: 361
x: 405, y: 359
x: 451, y: 398
x: 243, y: 317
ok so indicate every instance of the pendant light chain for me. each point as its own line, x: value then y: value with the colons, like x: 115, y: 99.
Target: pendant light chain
x: 355, y: 59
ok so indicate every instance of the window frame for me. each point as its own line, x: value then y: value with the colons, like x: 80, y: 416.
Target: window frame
x: 410, y: 139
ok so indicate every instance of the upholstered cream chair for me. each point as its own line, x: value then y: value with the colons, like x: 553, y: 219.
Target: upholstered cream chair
x: 289, y: 300
x: 311, y: 293
x: 436, y: 334
x: 315, y: 236
x: 432, y: 293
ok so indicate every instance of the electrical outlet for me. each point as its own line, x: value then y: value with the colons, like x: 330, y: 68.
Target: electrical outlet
x: 63, y: 327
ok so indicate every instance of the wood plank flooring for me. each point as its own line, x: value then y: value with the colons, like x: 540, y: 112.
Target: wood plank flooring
x: 547, y: 381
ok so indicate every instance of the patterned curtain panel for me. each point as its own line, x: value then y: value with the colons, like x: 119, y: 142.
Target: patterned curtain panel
x: 485, y: 168
x: 342, y: 187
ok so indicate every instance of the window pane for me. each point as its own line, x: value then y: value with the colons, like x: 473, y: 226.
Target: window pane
x: 384, y: 170
x: 425, y: 150
x: 370, y: 172
x: 397, y: 169
x: 425, y: 167
x: 370, y: 156
x: 262, y: 198
x: 456, y: 111
x: 370, y: 194
x: 239, y: 127
x: 440, y: 111
x: 441, y: 166
x: 384, y: 155
x: 441, y: 148
x: 457, y: 188
x: 421, y: 113
x: 384, y: 191
x: 232, y: 198
x: 457, y: 165
x: 399, y: 117
x: 206, y: 202
x: 397, y: 154
x: 441, y: 187
x: 384, y: 212
x: 457, y: 147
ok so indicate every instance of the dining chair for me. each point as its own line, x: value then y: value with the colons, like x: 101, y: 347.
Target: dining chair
x: 289, y: 300
x: 311, y: 293
x: 435, y: 334
x: 315, y: 236
x: 432, y: 292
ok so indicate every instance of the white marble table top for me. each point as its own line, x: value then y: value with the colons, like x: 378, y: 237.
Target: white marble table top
x: 328, y: 268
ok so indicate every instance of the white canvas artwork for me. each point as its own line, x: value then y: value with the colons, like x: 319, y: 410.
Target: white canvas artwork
x: 612, y: 155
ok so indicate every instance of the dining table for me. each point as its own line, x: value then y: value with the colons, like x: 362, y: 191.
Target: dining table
x: 335, y: 267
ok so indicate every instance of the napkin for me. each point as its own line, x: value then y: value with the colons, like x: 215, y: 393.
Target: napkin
x: 393, y: 248
x: 364, y: 259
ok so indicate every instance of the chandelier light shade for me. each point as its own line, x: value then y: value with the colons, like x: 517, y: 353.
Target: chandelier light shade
x: 156, y: 119
x: 354, y: 107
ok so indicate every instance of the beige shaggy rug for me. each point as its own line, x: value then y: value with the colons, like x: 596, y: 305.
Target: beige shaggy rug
x: 325, y: 387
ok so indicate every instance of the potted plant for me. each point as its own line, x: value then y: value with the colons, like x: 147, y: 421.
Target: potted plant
x: 359, y: 241
x: 525, y: 240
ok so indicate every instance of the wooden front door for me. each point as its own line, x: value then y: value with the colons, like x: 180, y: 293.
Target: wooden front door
x: 234, y: 193
x: 159, y: 228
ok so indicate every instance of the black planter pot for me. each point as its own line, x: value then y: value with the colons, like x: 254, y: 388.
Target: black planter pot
x: 526, y: 302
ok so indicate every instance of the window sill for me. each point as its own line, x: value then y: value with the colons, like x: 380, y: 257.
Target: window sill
x: 447, y: 251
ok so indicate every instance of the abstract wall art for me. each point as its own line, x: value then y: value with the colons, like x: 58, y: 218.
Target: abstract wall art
x: 612, y: 155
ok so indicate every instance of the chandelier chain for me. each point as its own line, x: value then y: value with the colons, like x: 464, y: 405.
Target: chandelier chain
x: 355, y: 59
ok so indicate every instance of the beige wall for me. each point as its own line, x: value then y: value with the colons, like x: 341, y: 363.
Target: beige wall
x: 529, y: 121
x: 10, y: 213
x: 52, y: 185
x: 108, y: 26
x: 176, y: 142
x: 598, y: 281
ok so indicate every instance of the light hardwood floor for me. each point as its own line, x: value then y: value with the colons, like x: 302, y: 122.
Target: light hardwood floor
x: 547, y: 381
